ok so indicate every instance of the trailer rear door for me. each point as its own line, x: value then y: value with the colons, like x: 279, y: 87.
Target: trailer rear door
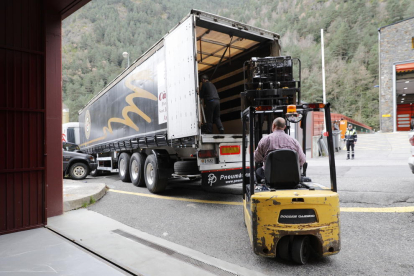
x: 181, y: 81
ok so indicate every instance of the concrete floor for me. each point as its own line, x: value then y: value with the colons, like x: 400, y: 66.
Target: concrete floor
x: 42, y: 252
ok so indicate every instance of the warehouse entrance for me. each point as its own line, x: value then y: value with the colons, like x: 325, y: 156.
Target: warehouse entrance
x: 404, y: 89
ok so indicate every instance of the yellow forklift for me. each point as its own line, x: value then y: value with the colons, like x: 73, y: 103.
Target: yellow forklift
x: 286, y: 214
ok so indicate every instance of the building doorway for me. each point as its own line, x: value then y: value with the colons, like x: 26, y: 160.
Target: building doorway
x: 404, y: 88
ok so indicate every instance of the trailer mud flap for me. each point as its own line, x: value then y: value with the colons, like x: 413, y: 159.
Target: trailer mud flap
x: 222, y: 177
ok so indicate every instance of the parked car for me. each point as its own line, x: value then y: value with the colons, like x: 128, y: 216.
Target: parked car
x: 411, y: 158
x: 71, y: 147
x: 75, y: 163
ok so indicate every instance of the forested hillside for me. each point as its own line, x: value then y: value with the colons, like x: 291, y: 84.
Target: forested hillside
x: 95, y: 37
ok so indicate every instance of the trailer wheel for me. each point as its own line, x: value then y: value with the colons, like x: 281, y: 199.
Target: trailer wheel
x: 123, y: 165
x: 136, y: 169
x: 186, y: 167
x: 152, y: 179
x: 283, y: 248
x: 78, y: 171
x: 300, y: 249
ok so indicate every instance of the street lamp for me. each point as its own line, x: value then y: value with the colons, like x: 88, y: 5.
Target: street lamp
x: 126, y: 55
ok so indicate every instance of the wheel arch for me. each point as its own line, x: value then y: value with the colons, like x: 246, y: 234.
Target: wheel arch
x: 71, y: 162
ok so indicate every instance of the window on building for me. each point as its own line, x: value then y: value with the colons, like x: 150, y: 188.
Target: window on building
x: 412, y: 43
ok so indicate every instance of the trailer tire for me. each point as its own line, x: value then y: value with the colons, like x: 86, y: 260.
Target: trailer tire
x: 154, y: 183
x: 136, y: 169
x: 78, y: 171
x: 300, y: 249
x: 186, y: 167
x: 123, y: 166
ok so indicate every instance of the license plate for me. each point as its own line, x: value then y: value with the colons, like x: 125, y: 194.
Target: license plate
x: 208, y: 161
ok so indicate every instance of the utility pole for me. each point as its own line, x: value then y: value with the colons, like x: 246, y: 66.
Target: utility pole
x: 323, y: 78
x: 126, y: 55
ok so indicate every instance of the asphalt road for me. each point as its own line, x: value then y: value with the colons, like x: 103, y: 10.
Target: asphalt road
x: 372, y: 243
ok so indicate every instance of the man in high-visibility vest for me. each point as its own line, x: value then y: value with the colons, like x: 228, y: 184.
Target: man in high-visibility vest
x: 351, y: 139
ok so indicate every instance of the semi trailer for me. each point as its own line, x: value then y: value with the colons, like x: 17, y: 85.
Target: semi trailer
x: 147, y: 123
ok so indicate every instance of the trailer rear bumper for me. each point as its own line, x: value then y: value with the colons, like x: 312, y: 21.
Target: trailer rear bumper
x: 222, y: 177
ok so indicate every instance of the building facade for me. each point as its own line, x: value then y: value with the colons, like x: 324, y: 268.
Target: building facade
x: 396, y: 70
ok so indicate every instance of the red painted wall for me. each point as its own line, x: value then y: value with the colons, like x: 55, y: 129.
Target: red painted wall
x: 53, y: 76
x: 22, y: 114
x: 31, y: 185
x: 318, y: 121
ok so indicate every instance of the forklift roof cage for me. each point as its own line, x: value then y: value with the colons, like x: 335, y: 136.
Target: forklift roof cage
x: 248, y: 116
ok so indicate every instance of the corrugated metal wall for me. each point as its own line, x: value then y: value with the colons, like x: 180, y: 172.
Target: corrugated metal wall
x: 22, y: 115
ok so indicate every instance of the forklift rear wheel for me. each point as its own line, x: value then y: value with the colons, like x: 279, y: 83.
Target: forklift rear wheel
x: 136, y: 169
x: 123, y: 164
x: 301, y: 249
x: 283, y: 248
x: 155, y: 184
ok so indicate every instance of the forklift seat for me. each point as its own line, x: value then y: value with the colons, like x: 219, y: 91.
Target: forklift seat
x: 282, y: 170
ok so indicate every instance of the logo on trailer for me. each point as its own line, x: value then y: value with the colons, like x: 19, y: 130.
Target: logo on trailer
x: 162, y: 96
x: 211, y: 179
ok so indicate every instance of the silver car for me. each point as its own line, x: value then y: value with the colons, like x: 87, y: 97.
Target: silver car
x: 411, y: 158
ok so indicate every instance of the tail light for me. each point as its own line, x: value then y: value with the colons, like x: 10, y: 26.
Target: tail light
x: 316, y: 105
x: 263, y: 108
x: 207, y: 153
x: 229, y: 150
x: 411, y: 140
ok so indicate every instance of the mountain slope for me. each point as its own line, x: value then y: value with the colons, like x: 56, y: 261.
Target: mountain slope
x: 95, y: 37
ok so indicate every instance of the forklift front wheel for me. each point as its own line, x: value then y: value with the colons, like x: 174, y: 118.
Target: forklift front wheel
x: 301, y: 249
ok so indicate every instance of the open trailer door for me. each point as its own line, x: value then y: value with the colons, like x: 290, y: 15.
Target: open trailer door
x: 181, y: 81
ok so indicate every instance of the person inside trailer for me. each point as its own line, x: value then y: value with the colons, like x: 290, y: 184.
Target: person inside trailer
x: 278, y: 139
x: 212, y: 106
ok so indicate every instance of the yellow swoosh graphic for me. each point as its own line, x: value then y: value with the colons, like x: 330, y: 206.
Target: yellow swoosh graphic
x: 138, y: 93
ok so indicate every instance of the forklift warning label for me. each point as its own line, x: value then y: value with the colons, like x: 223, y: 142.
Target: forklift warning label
x: 223, y: 178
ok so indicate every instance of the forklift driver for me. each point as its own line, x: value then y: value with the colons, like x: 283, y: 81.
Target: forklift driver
x: 278, y: 139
